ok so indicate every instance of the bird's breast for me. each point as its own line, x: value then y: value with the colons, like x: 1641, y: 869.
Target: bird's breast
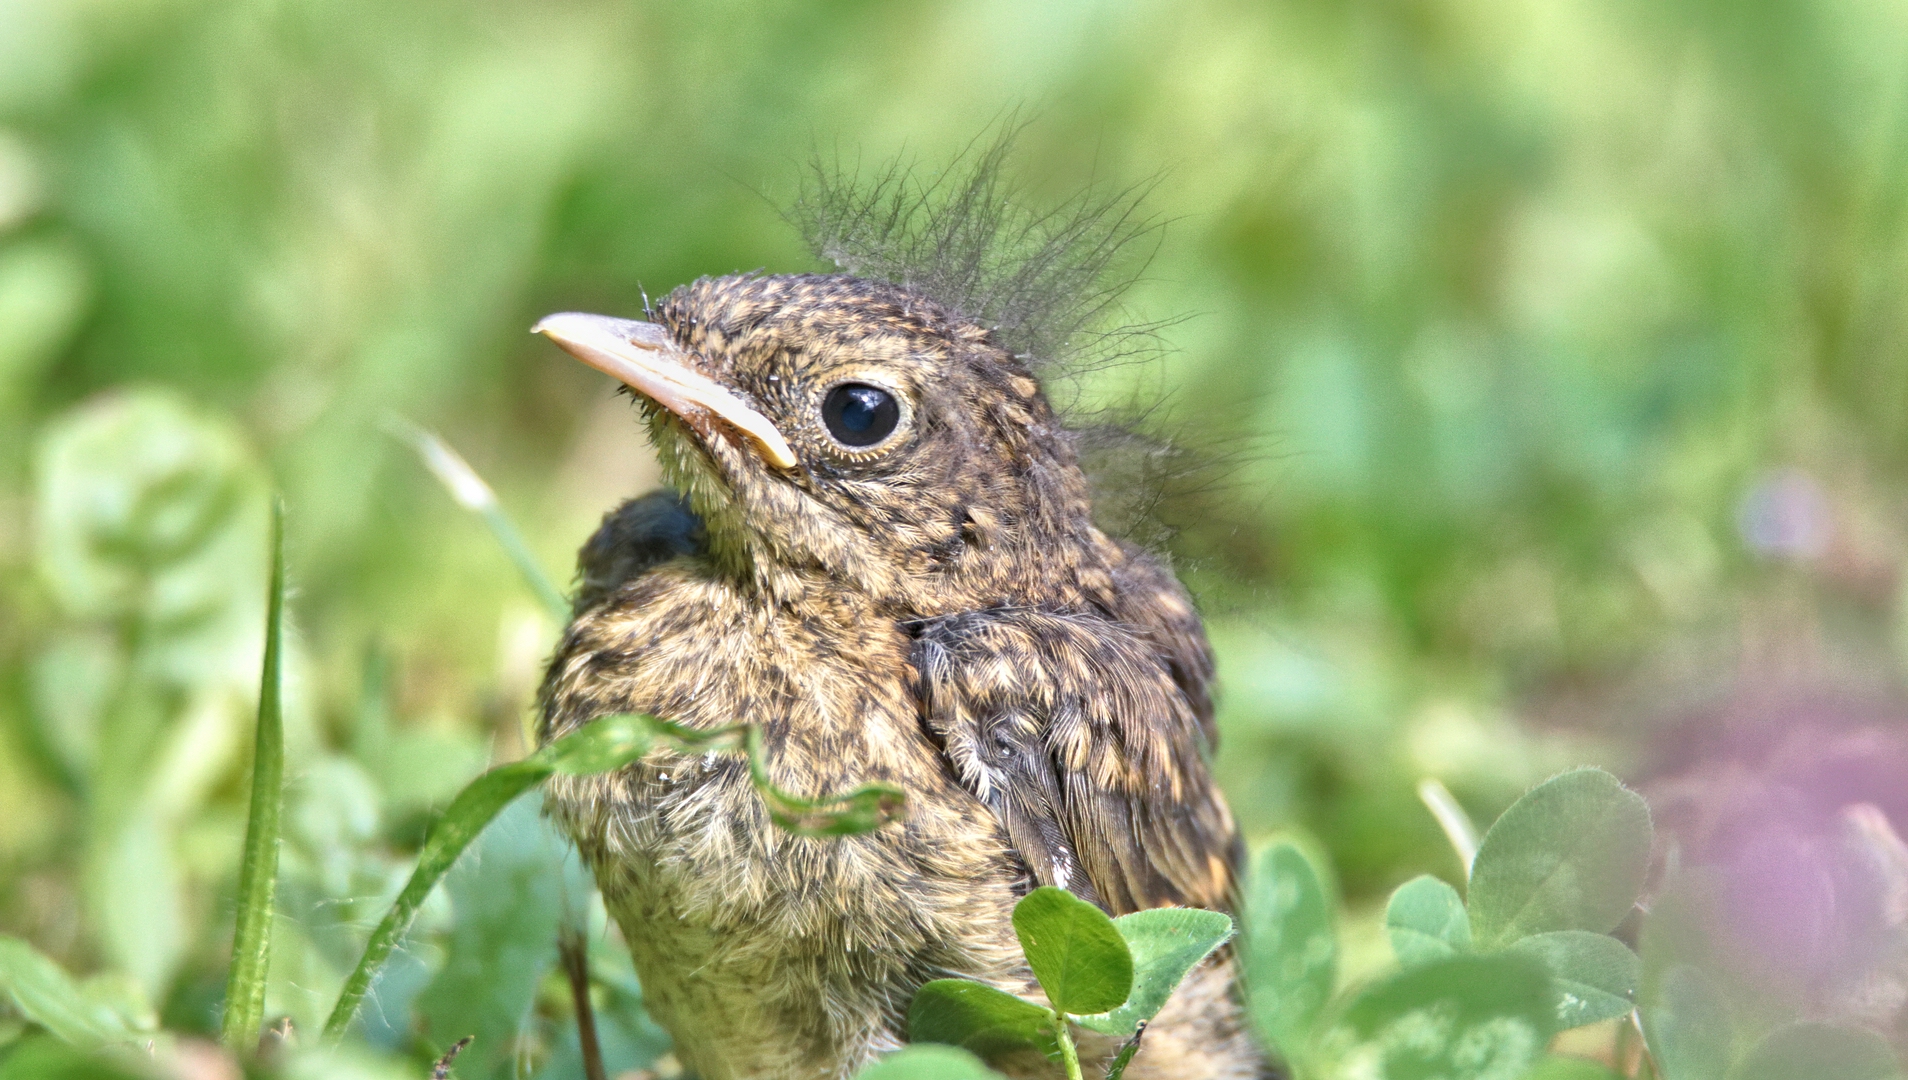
x: 728, y: 915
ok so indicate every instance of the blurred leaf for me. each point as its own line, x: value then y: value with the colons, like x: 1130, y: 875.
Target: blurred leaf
x: 1469, y: 1017
x: 1558, y: 1067
x: 1594, y: 976
x: 133, y: 891
x: 602, y: 745
x: 49, y: 1059
x: 508, y: 897
x: 43, y: 294
x: 928, y: 1062
x: 1165, y: 944
x: 348, y: 1063
x: 258, y: 871
x: 1075, y: 951
x: 1426, y: 920
x: 976, y: 1017
x: 1819, y: 1052
x: 1569, y: 855
x: 1289, y: 950
x: 47, y: 995
x: 1686, y: 1023
x: 121, y: 994
x: 73, y: 680
x: 152, y: 511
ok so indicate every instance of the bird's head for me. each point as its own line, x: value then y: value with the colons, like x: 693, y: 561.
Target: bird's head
x: 836, y: 430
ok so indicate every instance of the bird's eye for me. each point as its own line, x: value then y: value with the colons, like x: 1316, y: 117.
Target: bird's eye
x: 860, y: 415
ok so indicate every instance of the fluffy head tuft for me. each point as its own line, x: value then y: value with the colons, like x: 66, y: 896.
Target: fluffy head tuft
x: 1046, y: 283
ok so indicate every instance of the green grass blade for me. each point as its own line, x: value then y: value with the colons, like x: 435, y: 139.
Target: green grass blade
x: 258, y: 872
x: 469, y: 812
x: 473, y: 494
x: 605, y: 744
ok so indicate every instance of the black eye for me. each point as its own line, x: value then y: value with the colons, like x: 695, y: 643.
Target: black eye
x: 860, y: 415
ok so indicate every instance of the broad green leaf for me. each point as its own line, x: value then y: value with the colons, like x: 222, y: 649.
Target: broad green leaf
x: 1165, y: 944
x: 929, y: 1061
x: 1075, y: 951
x: 45, y: 994
x: 258, y: 869
x: 1289, y: 951
x: 976, y: 1017
x: 507, y: 900
x: 1426, y: 921
x: 1462, y: 1018
x: 1820, y: 1052
x: 1569, y: 855
x: 1687, y: 1025
x: 1594, y: 976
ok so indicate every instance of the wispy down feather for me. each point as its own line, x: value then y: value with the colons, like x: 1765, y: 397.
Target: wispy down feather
x: 1047, y: 282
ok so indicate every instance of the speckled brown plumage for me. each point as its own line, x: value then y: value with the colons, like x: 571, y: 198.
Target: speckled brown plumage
x: 937, y: 612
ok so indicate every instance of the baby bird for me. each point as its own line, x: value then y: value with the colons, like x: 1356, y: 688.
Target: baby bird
x: 877, y: 544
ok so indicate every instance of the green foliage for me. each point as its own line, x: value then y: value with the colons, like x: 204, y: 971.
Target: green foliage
x: 1290, y: 950
x: 508, y: 893
x: 1554, y: 874
x: 42, y: 1058
x: 1511, y: 320
x: 1165, y: 944
x: 928, y: 1062
x: 1593, y: 976
x: 1478, y: 1017
x: 1820, y: 1052
x: 1075, y: 951
x: 1425, y: 920
x: 1688, y: 1024
x: 599, y: 746
x: 977, y: 1017
x: 45, y: 994
x: 258, y: 869
x: 1086, y: 963
x: 1570, y: 855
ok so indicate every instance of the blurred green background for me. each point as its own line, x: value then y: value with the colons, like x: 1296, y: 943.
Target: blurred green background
x: 1556, y: 352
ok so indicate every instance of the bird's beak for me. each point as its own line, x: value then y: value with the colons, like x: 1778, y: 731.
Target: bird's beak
x: 641, y: 356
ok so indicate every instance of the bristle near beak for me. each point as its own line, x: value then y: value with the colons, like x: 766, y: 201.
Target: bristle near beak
x: 642, y: 357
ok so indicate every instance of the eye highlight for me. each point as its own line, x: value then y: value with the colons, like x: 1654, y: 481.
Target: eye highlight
x: 858, y: 414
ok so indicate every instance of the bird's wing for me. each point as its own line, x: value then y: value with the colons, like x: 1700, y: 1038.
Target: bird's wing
x: 1073, y: 729
x: 642, y: 533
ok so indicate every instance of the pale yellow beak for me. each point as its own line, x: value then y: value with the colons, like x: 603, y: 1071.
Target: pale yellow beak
x: 641, y: 356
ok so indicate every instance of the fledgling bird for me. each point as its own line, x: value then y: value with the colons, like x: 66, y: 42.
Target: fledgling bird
x: 878, y: 544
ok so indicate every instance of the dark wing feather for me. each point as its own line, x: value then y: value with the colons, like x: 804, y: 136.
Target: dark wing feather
x: 1074, y: 730
x: 643, y: 532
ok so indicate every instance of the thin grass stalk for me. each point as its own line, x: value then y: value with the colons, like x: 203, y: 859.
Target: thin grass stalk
x: 469, y: 812
x: 258, y: 872
x: 473, y: 494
